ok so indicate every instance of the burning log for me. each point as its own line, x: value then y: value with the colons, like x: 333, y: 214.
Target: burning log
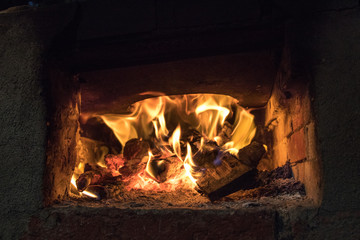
x: 155, y: 169
x: 206, y: 155
x: 228, y: 173
x: 225, y: 134
x: 94, y: 175
x: 162, y: 169
x: 88, y: 178
x: 251, y: 154
x: 190, y: 136
x: 136, y: 149
x: 114, y: 162
x: 92, y: 151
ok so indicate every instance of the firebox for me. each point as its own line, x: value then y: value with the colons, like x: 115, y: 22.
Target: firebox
x: 180, y: 120
x: 188, y: 131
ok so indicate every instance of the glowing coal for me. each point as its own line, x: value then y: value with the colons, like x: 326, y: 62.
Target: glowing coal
x: 161, y: 135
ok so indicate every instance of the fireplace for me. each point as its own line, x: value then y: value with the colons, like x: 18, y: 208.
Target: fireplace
x: 159, y: 128
x: 135, y: 125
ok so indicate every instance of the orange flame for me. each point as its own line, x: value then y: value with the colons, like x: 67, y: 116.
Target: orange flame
x: 154, y: 118
x: 189, y: 164
x: 87, y: 193
x: 174, y: 141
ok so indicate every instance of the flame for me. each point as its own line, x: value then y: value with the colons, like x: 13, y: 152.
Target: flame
x: 148, y: 169
x: 87, y: 193
x: 210, y: 116
x: 189, y: 164
x: 163, y: 120
x: 174, y: 141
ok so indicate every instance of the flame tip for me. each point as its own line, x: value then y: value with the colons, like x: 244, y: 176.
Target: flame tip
x: 153, y: 117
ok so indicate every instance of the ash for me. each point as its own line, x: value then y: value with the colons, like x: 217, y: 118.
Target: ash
x: 274, y: 187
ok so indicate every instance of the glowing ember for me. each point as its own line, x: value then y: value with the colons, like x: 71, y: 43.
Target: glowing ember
x: 175, y: 128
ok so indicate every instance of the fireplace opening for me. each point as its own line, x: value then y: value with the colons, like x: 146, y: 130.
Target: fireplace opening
x: 188, y: 132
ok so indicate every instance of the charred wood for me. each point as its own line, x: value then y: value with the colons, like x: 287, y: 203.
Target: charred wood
x: 251, y: 154
x: 225, y: 134
x: 162, y: 169
x: 225, y: 169
x: 114, y: 162
x: 92, y: 151
x: 95, y: 175
x: 136, y: 148
x: 206, y: 155
x: 227, y: 173
x: 88, y: 178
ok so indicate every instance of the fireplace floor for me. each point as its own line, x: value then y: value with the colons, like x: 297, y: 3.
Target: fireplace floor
x: 278, y: 190
x: 265, y: 212
x: 192, y: 200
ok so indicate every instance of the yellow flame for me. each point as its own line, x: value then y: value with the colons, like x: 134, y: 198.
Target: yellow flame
x: 244, y: 130
x: 87, y: 193
x: 154, y: 118
x: 211, y: 115
x: 266, y: 147
x: 189, y: 164
x: 148, y: 167
x: 174, y: 141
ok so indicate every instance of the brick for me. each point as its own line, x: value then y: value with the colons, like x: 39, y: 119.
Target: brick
x: 113, y: 223
x: 296, y: 146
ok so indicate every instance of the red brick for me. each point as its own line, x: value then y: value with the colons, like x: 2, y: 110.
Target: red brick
x: 296, y: 146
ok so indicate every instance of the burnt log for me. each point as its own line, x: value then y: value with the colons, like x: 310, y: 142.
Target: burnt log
x: 227, y: 173
x: 251, y: 154
x: 155, y: 168
x: 114, y: 162
x: 191, y: 136
x: 136, y: 148
x: 88, y: 178
x: 224, y: 135
x: 132, y: 167
x: 206, y: 155
x: 161, y: 170
x: 95, y: 175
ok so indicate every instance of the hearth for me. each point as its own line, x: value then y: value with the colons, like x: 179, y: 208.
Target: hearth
x: 179, y: 121
x: 206, y: 126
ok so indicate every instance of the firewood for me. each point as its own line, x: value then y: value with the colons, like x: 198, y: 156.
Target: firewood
x: 226, y: 169
x: 207, y: 153
x: 161, y: 170
x: 114, y: 162
x: 191, y: 136
x: 88, y: 178
x: 225, y: 134
x: 132, y: 166
x: 95, y: 175
x: 136, y: 148
x: 251, y: 154
x: 155, y: 168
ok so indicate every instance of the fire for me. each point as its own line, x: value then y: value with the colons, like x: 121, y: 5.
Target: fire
x: 87, y: 193
x: 189, y: 165
x: 175, y: 142
x: 165, y: 122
